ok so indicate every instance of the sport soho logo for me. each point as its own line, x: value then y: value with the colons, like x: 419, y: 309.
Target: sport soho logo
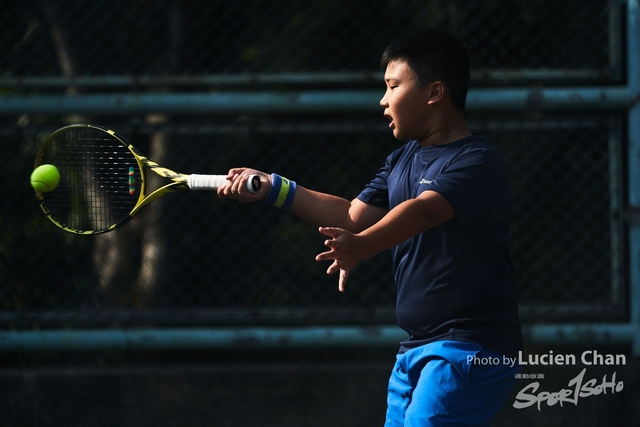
x: 577, y: 388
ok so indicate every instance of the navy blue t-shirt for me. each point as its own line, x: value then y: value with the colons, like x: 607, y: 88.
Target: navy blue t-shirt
x: 455, y: 281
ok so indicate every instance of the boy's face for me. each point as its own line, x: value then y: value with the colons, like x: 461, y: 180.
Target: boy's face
x: 405, y: 104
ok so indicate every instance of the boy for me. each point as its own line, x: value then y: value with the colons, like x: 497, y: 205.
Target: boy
x: 441, y: 204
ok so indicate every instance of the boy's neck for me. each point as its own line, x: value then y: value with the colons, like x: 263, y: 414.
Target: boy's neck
x: 451, y: 129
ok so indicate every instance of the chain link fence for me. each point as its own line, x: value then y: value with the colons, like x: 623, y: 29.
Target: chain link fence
x: 192, y: 259
x: 516, y: 39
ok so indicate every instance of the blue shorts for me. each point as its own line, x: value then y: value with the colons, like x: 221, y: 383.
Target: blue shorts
x: 448, y: 383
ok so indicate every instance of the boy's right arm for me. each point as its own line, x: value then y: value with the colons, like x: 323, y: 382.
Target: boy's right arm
x: 321, y: 208
x: 317, y: 208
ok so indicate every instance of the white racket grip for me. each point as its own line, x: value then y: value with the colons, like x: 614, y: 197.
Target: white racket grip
x: 206, y: 182
x: 213, y: 182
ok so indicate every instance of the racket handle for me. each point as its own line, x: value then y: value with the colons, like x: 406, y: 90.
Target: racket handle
x: 213, y: 182
x: 253, y: 184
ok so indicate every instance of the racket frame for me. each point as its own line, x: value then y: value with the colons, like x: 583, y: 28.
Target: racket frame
x: 179, y: 180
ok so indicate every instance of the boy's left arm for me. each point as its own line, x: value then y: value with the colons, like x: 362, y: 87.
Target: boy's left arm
x: 412, y: 217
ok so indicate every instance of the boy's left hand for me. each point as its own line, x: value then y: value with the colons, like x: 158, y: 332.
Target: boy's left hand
x: 346, y: 250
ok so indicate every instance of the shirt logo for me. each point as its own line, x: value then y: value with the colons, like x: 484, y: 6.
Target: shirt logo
x: 425, y: 181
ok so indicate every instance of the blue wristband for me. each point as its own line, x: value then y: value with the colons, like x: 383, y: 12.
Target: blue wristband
x: 281, y: 193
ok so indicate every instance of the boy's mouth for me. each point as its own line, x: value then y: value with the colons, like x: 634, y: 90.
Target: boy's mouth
x: 391, y: 124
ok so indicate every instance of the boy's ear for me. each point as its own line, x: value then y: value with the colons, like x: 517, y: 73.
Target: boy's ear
x: 435, y: 91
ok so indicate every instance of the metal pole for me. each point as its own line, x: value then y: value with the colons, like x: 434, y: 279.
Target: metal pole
x: 282, y: 338
x: 305, y: 102
x: 633, y: 166
x: 201, y: 338
x: 371, y: 79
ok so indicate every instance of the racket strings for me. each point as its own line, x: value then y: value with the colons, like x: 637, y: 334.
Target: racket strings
x: 100, y: 179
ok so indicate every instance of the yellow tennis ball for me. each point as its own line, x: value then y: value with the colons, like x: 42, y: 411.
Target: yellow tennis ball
x: 45, y: 178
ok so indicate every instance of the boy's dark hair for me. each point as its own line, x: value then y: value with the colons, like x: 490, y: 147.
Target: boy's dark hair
x: 434, y: 55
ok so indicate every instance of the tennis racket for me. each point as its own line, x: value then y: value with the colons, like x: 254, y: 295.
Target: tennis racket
x: 102, y: 180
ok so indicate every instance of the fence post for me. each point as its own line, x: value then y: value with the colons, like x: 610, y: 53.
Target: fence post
x: 633, y: 61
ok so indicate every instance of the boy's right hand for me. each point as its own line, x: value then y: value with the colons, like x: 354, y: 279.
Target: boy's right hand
x: 236, y: 187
